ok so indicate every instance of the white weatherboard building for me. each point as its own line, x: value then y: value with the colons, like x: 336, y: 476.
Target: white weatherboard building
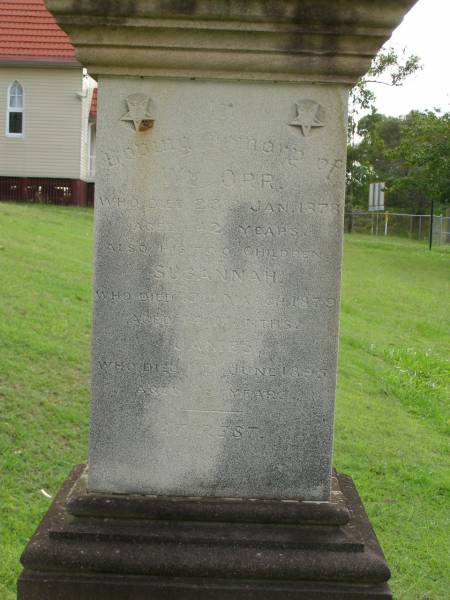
x: 47, y: 134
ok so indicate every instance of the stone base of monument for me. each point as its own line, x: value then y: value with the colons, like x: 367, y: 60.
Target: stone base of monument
x: 116, y: 547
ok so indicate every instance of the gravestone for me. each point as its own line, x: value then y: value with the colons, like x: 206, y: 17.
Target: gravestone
x: 216, y: 289
x: 218, y: 232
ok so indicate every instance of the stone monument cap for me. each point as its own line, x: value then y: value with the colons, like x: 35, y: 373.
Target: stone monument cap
x: 270, y: 40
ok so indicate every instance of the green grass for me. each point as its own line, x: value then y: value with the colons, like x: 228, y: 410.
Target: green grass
x: 392, y: 408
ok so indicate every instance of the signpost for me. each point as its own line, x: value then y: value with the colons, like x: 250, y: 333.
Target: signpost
x: 376, y: 197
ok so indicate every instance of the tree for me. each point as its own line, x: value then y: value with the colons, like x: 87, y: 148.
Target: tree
x: 388, y: 68
x: 378, y: 135
x: 410, y: 154
x: 424, y: 153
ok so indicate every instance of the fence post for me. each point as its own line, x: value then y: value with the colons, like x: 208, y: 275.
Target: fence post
x: 350, y: 219
x: 386, y: 220
x: 430, y: 241
x: 420, y: 227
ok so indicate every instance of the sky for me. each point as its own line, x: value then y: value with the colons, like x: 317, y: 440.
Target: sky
x: 425, y: 31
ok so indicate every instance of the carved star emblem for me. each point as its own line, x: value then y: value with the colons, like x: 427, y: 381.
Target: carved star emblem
x: 138, y: 112
x: 309, y: 114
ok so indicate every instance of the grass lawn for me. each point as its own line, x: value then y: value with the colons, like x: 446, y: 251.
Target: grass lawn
x: 392, y: 408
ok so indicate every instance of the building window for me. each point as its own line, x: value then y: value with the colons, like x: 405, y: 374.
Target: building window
x: 14, y: 116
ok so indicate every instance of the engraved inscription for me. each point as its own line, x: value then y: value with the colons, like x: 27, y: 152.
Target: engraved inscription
x: 216, y: 287
x: 228, y: 425
x: 108, y: 366
x: 278, y: 371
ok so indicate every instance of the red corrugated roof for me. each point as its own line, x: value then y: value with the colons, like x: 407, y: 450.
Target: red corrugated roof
x: 29, y: 31
x: 93, y: 111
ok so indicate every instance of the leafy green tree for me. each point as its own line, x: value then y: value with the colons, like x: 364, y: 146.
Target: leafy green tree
x: 378, y: 135
x: 424, y: 155
x: 388, y: 68
x: 410, y: 154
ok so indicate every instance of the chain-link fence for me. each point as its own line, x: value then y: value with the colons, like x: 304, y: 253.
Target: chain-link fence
x: 416, y: 227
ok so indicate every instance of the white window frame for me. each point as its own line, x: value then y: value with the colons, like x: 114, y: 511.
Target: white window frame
x: 10, y: 109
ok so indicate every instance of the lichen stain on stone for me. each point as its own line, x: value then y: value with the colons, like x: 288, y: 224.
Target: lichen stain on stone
x: 274, y: 8
x: 313, y: 17
x: 107, y: 8
x: 170, y: 7
x: 133, y: 416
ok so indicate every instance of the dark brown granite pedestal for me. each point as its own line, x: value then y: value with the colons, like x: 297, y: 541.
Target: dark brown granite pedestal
x: 115, y: 547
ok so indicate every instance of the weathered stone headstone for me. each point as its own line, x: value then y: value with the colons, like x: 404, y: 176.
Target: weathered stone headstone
x: 218, y: 228
x: 217, y: 265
